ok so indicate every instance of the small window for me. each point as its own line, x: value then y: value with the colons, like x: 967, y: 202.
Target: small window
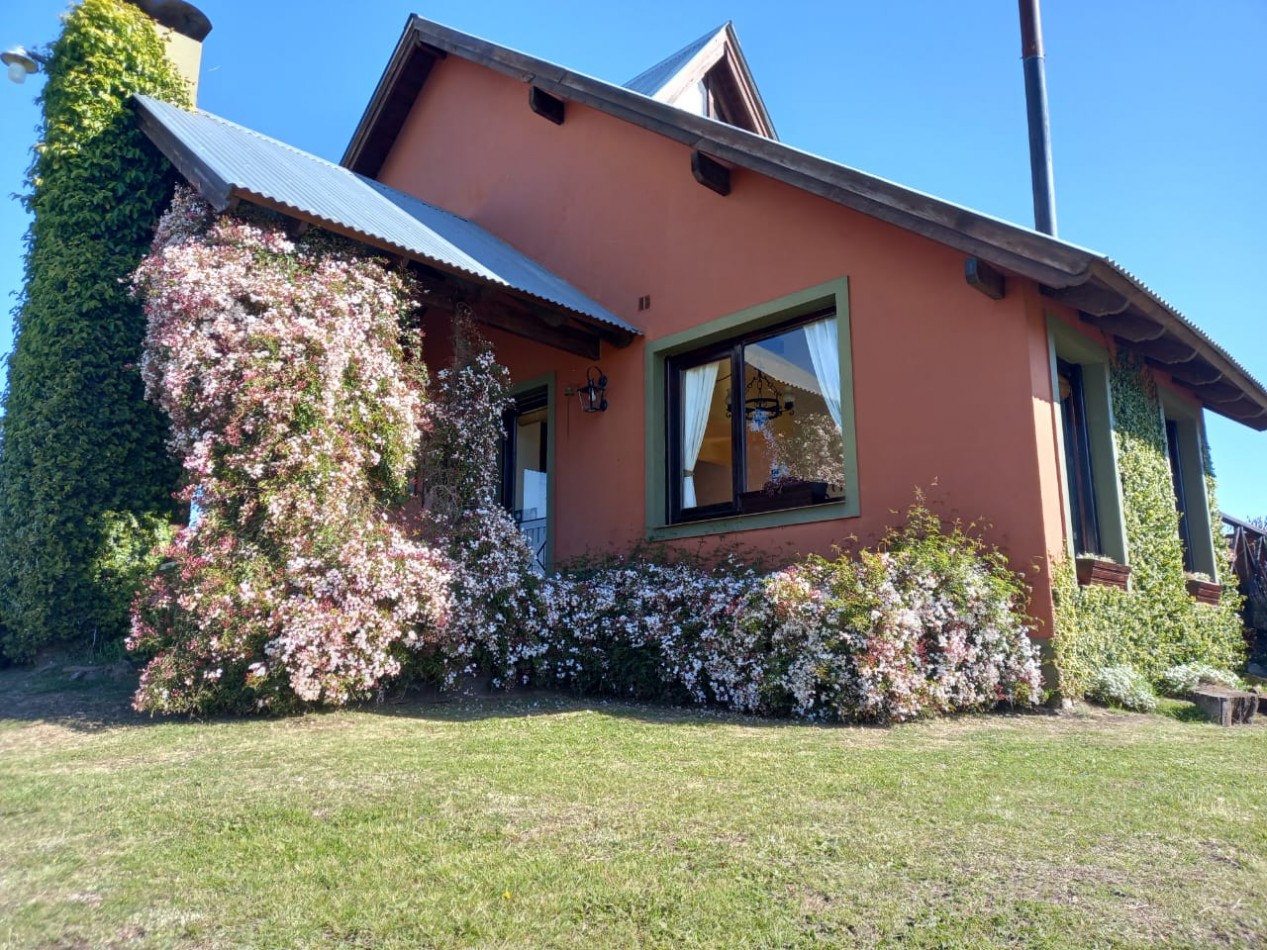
x: 1091, y: 489
x: 1078, y: 465
x: 1181, y: 496
x: 1185, y: 441
x: 755, y: 422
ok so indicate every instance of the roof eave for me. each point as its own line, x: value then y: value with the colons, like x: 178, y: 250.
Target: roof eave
x: 750, y: 90
x: 1052, y: 263
x: 407, y: 69
x: 224, y: 193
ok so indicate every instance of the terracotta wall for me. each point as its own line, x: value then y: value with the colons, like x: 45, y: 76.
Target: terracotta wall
x: 952, y: 390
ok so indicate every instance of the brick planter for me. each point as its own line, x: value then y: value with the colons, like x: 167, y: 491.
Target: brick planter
x: 1096, y: 572
x: 1204, y: 592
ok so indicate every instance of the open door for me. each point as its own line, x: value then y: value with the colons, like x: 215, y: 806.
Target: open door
x: 525, y: 469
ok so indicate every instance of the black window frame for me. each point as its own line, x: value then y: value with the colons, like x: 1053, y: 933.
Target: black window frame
x: 1079, y: 474
x: 732, y: 349
x: 1174, y: 452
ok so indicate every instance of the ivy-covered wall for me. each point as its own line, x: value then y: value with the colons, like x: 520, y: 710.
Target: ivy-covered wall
x: 85, y: 479
x: 1157, y: 623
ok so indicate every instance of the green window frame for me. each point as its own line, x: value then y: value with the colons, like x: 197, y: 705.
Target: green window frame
x: 733, y: 328
x: 1096, y: 457
x: 1185, y: 450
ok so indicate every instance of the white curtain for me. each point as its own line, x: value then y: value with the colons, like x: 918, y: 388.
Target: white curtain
x: 698, y: 383
x: 824, y: 352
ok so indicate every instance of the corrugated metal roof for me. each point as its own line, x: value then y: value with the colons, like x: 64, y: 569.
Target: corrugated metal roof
x: 246, y: 161
x: 652, y: 80
x: 1183, y: 319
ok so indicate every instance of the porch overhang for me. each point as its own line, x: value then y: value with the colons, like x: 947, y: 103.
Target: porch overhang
x: 455, y: 259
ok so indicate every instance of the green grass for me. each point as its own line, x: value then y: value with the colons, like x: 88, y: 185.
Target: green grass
x: 554, y: 823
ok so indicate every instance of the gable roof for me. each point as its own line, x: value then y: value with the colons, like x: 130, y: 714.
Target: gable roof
x: 1106, y: 294
x: 718, y: 56
x: 651, y: 81
x: 226, y: 161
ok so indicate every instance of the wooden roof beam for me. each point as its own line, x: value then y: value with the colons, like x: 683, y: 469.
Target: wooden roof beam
x: 1128, y: 326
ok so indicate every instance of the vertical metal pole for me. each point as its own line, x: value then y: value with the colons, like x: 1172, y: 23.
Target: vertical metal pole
x: 1039, y: 126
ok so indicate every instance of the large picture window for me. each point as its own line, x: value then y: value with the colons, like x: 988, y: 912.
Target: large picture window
x: 755, y: 422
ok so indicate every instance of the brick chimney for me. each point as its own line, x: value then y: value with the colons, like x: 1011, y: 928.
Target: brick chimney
x: 183, y: 26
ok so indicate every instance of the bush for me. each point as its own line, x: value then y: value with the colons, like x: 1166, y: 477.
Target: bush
x: 494, y: 624
x: 930, y: 623
x: 1122, y: 687
x: 1183, y: 679
x: 296, y: 415
x: 651, y: 631
x: 84, y: 480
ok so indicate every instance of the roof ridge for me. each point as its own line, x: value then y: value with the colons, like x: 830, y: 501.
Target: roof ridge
x: 673, y: 62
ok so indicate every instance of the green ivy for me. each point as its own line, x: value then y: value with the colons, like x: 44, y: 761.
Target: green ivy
x: 1157, y: 624
x: 85, y: 480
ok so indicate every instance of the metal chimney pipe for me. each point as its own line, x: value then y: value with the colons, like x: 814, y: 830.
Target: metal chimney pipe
x: 1039, y: 125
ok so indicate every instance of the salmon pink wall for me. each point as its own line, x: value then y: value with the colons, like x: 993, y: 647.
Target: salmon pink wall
x: 952, y: 390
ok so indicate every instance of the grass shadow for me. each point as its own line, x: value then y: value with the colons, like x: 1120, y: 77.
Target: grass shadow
x: 1181, y: 710
x: 104, y: 703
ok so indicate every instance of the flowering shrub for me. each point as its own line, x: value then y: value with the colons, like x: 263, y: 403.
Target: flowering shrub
x: 1123, y: 687
x: 1184, y: 678
x: 496, y: 619
x: 651, y: 631
x: 296, y: 417
x: 928, y: 624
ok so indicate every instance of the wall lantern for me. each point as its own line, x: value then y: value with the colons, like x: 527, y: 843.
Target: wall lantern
x: 21, y: 63
x: 593, y: 395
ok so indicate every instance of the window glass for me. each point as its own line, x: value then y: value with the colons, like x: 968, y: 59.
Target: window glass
x: 707, y: 451
x: 1078, y: 474
x: 792, y: 411
x: 758, y: 422
x: 1181, y: 498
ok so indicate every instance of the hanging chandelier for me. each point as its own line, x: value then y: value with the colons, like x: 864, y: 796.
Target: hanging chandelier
x: 763, y: 400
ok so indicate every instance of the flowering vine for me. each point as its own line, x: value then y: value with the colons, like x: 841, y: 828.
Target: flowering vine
x: 497, y: 619
x: 297, y: 418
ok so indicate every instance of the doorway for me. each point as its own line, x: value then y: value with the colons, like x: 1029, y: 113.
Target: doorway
x: 525, y: 468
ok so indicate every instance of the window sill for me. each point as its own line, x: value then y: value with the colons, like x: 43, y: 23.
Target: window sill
x: 830, y: 511
x: 794, y: 495
x: 1097, y: 572
x: 1204, y: 592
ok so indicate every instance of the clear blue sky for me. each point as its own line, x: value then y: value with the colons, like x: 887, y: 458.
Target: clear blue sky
x: 1159, y: 118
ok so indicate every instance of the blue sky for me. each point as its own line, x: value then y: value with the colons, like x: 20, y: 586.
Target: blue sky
x: 1159, y: 118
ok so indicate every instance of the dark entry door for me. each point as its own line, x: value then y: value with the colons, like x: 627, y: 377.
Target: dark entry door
x: 525, y: 468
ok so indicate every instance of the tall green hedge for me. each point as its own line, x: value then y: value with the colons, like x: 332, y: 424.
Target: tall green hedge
x: 1157, y: 623
x: 85, y: 480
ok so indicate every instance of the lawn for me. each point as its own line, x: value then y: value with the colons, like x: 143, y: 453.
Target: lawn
x: 548, y: 822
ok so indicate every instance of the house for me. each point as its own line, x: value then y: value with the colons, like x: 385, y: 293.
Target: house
x: 782, y: 348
